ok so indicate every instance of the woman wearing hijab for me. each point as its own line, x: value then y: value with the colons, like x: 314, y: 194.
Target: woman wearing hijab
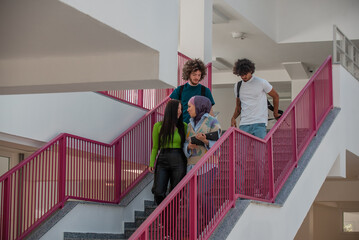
x: 201, y: 122
x: 168, y: 136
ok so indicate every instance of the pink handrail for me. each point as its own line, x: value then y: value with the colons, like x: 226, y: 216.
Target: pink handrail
x: 240, y: 165
x: 73, y: 167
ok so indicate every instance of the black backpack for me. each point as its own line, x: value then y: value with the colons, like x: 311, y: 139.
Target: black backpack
x: 269, y: 105
x: 203, y: 91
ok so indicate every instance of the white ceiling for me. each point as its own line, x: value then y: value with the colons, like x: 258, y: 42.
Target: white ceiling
x: 41, y: 28
x: 257, y: 46
x: 261, y: 49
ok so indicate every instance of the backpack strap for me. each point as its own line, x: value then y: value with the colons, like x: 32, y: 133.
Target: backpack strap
x: 270, y: 107
x: 180, y: 92
x: 238, y: 87
x: 203, y: 90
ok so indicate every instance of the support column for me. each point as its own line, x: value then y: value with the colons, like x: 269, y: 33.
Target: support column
x: 195, y: 37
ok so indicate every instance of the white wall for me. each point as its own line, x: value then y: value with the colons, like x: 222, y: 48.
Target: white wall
x: 336, y: 190
x: 43, y: 116
x: 308, y: 21
x: 262, y: 13
x: 99, y: 218
x: 196, y: 29
x: 225, y: 104
x: 300, y: 21
x: 153, y: 23
x: 276, y: 75
x: 349, y: 99
x: 328, y: 221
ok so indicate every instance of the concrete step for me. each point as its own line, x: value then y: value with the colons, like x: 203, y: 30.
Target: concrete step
x: 93, y: 236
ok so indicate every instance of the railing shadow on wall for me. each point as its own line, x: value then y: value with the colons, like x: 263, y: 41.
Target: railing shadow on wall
x: 241, y: 165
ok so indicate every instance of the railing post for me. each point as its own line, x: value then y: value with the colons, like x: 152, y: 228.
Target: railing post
x: 330, y: 71
x: 62, y: 170
x: 5, y: 218
x: 294, y: 141
x: 118, y: 170
x: 314, y: 108
x: 232, y: 170
x: 153, y: 121
x: 271, y: 167
x: 140, y: 97
x: 335, y: 43
x: 145, y: 236
x: 209, y: 76
x: 193, y: 208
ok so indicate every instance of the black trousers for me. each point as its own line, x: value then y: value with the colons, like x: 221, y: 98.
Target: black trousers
x: 171, y: 166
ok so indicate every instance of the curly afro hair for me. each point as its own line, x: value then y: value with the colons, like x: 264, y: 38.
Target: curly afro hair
x: 243, y: 66
x: 193, y: 65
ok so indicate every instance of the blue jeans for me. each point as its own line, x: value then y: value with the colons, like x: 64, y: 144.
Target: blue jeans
x: 256, y: 129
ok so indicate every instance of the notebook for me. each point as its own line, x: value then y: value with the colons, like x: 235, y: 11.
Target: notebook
x: 214, y: 136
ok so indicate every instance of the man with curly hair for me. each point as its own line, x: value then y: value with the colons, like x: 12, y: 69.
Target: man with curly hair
x: 193, y: 71
x: 251, y: 99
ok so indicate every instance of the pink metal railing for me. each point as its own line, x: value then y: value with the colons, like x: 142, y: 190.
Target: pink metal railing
x: 144, y: 98
x: 72, y: 167
x: 241, y: 165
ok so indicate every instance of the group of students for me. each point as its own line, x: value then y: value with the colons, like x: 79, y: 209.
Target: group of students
x: 189, y: 115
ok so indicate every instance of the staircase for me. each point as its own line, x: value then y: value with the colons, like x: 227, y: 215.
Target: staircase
x: 140, y: 217
x: 249, y: 167
x: 130, y: 227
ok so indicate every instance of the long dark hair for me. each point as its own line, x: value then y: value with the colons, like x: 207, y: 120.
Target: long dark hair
x: 170, y: 121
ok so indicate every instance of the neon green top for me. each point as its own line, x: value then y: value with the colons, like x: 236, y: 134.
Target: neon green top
x: 155, y: 138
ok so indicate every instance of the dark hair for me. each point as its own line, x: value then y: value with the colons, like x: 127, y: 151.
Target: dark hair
x: 193, y: 65
x: 170, y: 121
x: 243, y: 66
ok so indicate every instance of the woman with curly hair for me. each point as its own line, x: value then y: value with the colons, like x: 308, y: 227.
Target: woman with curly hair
x: 193, y: 71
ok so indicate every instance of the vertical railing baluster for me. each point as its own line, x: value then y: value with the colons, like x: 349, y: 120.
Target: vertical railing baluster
x: 193, y: 208
x: 330, y: 66
x: 5, y: 208
x: 118, y: 171
x: 294, y: 135
x: 62, y: 170
x: 140, y: 97
x: 271, y: 168
x: 314, y: 108
x: 232, y: 169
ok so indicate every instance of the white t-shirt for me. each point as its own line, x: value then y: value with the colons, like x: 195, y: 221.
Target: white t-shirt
x: 253, y: 100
